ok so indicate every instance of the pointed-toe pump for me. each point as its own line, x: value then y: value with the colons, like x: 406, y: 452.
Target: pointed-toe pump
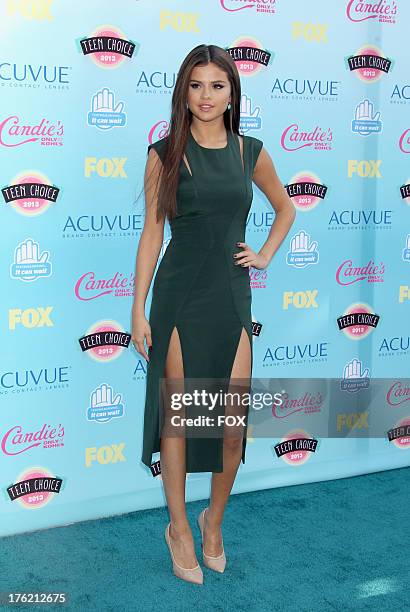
x: 194, y: 574
x: 215, y: 563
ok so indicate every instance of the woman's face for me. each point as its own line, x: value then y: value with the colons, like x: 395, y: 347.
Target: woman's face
x: 209, y: 92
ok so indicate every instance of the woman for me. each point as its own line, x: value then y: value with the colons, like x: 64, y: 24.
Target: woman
x: 200, y: 177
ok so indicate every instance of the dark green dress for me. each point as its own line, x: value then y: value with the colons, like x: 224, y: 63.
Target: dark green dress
x: 197, y: 287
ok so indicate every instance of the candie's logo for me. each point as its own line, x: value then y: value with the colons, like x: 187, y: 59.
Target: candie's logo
x: 107, y: 46
x: 348, y: 273
x: 398, y: 394
x: 368, y: 64
x: 404, y: 141
x: 306, y: 190
x: 90, y: 287
x: 294, y: 137
x: 304, y: 402
x: 159, y: 130
x: 30, y: 193
x: 258, y: 278
x: 358, y: 321
x: 267, y: 7
x: 249, y: 55
x: 15, y: 132
x: 105, y: 341
x: 20, y: 439
x: 384, y: 11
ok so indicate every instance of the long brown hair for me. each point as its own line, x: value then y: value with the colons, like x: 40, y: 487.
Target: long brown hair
x: 181, y: 117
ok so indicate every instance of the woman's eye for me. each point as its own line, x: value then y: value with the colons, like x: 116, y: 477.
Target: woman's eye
x: 196, y: 85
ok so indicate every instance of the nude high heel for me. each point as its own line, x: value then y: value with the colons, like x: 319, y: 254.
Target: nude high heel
x: 190, y: 575
x: 215, y: 563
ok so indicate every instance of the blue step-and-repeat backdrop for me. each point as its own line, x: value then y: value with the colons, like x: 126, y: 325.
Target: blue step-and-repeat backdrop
x: 85, y: 87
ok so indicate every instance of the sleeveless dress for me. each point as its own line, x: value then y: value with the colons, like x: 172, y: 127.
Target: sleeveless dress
x: 197, y: 286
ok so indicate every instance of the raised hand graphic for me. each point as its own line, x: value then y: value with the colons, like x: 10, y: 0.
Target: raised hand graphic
x: 103, y: 396
x: 300, y: 243
x: 364, y: 111
x: 364, y: 117
x: 246, y: 108
x: 353, y: 369
x: 28, y: 252
x: 103, y: 102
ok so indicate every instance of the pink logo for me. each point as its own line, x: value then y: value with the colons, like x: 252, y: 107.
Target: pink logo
x: 249, y: 56
x: 88, y: 287
x: 159, y: 130
x: 404, y: 141
x: 358, y: 10
x: 301, y: 447
x: 293, y: 138
x: 258, y: 278
x: 269, y: 6
x: 362, y: 321
x: 34, y: 488
x: 369, y: 64
x: 306, y: 190
x: 398, y: 394
x: 110, y: 331
x: 347, y: 274
x: 13, y: 133
x: 30, y: 193
x: 307, y: 403
x: 403, y: 427
x: 15, y: 441
x: 107, y: 46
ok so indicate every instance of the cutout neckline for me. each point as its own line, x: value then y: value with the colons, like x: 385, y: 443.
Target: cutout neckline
x: 241, y: 153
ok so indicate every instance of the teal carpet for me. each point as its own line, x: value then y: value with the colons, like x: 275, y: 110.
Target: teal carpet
x: 337, y: 545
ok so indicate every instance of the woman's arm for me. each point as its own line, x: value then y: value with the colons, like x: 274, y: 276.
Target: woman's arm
x: 151, y: 238
x: 265, y: 177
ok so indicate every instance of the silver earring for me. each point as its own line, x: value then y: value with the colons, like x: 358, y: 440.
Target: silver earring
x: 229, y: 106
x: 187, y: 107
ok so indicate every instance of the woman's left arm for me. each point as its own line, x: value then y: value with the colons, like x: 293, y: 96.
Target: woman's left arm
x: 265, y: 177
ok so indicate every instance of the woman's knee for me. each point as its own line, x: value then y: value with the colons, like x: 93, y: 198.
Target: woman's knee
x: 233, y: 444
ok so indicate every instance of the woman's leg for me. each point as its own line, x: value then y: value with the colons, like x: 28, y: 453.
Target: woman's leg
x: 232, y: 452
x: 173, y: 471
